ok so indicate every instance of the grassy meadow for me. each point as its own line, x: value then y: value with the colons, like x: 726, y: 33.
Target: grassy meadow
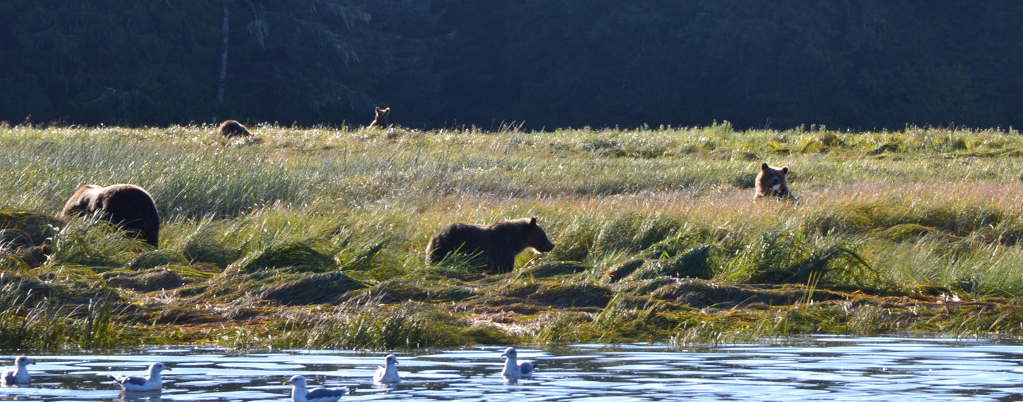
x: 314, y: 237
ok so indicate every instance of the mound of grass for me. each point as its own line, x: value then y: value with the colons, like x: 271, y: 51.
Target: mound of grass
x: 21, y: 288
x: 156, y: 258
x: 27, y: 322
x: 561, y: 328
x: 693, y: 263
x: 395, y: 290
x: 92, y: 242
x: 298, y: 257
x: 816, y: 264
x: 148, y: 281
x: 26, y: 229
x: 24, y: 257
x: 202, y: 246
x: 620, y: 271
x: 360, y: 325
x: 322, y: 288
x: 553, y: 268
x: 906, y: 231
x: 744, y: 180
x: 571, y: 295
x: 455, y: 293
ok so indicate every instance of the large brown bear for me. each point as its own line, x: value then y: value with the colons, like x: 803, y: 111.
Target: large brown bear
x: 380, y: 116
x: 126, y: 205
x: 496, y: 245
x: 771, y: 182
x: 232, y: 128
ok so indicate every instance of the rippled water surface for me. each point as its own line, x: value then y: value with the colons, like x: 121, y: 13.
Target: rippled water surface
x: 817, y: 368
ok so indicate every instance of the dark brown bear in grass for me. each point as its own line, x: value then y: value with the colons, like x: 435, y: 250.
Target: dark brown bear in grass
x: 771, y: 182
x: 380, y: 117
x: 232, y: 128
x: 125, y: 205
x: 495, y: 245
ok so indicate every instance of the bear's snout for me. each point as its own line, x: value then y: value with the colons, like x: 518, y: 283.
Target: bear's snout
x: 545, y: 247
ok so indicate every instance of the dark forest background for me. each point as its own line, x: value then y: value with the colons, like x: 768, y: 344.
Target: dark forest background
x: 856, y: 64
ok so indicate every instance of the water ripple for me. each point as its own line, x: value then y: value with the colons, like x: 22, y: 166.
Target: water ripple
x: 824, y: 367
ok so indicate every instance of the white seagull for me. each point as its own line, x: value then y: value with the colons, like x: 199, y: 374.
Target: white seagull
x: 300, y: 394
x: 512, y: 369
x: 152, y: 382
x: 388, y: 373
x: 18, y: 374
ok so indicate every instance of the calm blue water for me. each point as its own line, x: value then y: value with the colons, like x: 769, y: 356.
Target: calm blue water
x: 828, y: 368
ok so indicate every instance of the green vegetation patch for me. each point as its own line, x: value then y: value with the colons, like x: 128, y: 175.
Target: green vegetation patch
x: 155, y: 258
x: 571, y: 295
x: 26, y: 229
x: 300, y: 257
x: 148, y: 281
x: 314, y: 289
x: 554, y: 268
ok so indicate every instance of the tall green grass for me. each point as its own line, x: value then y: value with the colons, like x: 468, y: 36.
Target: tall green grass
x: 34, y: 321
x: 910, y: 212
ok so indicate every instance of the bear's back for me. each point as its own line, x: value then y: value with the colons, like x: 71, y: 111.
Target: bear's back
x: 127, y: 205
x: 461, y: 237
x: 82, y: 201
x: 127, y: 199
x: 232, y: 128
x: 459, y: 233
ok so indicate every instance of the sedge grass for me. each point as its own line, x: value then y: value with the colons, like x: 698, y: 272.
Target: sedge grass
x: 878, y: 212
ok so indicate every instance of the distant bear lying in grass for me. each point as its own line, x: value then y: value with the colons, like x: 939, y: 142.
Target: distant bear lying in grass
x: 771, y: 182
x: 380, y: 116
x: 496, y: 245
x: 126, y: 205
x: 232, y: 128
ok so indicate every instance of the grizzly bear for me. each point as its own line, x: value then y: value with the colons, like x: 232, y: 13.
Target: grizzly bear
x: 771, y: 182
x: 125, y: 205
x: 232, y: 128
x: 380, y: 115
x: 495, y: 245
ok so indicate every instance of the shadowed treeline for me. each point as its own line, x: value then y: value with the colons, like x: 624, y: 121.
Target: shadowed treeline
x: 855, y: 64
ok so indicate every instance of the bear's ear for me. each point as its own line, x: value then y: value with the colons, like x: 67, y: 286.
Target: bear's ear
x: 784, y: 170
x: 764, y: 166
x: 532, y: 221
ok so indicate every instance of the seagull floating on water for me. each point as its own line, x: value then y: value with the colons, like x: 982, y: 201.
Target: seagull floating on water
x: 388, y: 373
x: 300, y: 394
x: 512, y: 369
x: 18, y: 374
x: 152, y: 382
